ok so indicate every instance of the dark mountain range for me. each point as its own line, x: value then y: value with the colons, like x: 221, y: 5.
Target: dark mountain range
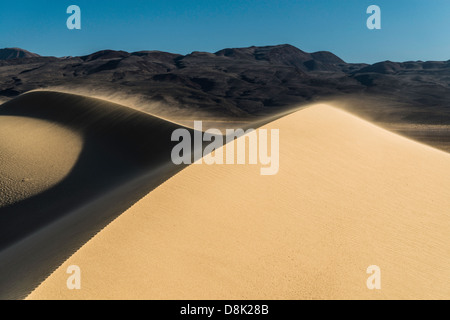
x: 240, y: 82
x: 15, y: 53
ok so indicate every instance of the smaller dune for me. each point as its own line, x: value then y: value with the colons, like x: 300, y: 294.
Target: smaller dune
x: 69, y: 165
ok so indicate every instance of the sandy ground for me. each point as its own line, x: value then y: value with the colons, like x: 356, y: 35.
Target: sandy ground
x: 35, y: 155
x: 348, y: 195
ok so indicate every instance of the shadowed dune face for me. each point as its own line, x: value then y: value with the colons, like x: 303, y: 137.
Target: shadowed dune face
x: 83, y: 161
x: 35, y: 155
x: 348, y: 195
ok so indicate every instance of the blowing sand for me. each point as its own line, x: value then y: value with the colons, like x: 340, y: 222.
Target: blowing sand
x: 348, y: 195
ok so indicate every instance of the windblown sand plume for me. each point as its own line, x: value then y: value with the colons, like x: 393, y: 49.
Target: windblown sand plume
x: 348, y: 195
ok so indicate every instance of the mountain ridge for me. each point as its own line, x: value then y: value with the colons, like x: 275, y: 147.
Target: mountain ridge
x: 16, y: 53
x: 240, y: 82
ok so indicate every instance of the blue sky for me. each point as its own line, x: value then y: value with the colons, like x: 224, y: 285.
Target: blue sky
x: 411, y: 29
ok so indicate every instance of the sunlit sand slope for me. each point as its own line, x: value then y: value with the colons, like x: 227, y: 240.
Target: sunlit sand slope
x: 348, y: 195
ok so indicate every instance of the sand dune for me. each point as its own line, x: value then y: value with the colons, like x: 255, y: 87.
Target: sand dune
x: 68, y: 166
x: 348, y: 195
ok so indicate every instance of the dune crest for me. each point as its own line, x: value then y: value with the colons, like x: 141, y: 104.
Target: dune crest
x: 348, y: 195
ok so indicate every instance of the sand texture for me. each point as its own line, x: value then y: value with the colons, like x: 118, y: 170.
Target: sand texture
x: 348, y: 195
